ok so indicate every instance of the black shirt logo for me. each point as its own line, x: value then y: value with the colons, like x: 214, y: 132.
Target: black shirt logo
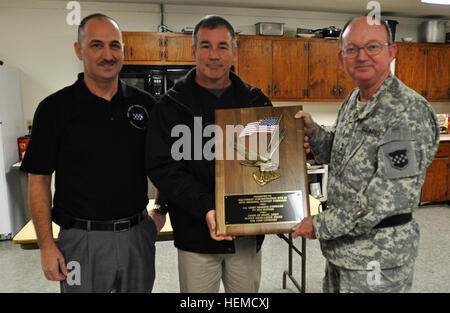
x: 138, y: 116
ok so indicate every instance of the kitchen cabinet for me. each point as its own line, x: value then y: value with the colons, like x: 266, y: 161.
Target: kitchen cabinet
x: 327, y: 76
x: 255, y: 62
x: 157, y: 48
x: 425, y: 68
x: 278, y: 66
x: 293, y: 68
x: 411, y: 67
x: 438, y: 75
x: 142, y: 47
x: 436, y: 187
x: 179, y: 48
x: 289, y: 68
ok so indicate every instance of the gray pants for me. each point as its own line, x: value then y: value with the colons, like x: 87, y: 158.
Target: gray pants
x: 239, y: 272
x: 392, y: 280
x: 107, y: 261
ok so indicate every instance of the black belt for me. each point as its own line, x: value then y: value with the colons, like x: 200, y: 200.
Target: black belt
x: 123, y: 224
x: 395, y: 220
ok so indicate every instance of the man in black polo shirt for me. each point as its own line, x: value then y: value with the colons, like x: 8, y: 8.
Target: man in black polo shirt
x: 92, y: 135
x: 204, y: 259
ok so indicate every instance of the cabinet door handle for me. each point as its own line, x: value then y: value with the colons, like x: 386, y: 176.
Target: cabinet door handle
x: 334, y: 91
x: 131, y: 51
x: 275, y: 90
x: 341, y: 91
x: 160, y: 42
x: 268, y: 90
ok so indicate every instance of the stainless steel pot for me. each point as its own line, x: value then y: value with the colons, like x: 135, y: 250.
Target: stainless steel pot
x: 269, y: 29
x: 328, y: 32
x: 432, y: 31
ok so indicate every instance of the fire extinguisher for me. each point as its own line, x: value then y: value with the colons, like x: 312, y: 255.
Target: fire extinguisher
x: 23, y: 143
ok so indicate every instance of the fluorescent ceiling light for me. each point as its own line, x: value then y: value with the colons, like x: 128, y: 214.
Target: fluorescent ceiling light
x: 447, y: 2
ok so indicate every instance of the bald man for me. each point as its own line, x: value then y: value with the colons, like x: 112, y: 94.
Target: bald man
x: 92, y: 136
x: 378, y: 151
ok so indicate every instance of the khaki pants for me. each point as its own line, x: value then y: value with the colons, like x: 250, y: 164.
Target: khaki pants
x: 239, y: 272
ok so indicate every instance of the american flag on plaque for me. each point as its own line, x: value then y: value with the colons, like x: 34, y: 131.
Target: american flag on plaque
x: 266, y: 125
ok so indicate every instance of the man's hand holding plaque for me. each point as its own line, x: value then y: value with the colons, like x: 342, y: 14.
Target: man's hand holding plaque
x: 212, y: 225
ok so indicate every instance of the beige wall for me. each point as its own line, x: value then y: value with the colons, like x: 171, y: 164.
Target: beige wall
x: 35, y: 37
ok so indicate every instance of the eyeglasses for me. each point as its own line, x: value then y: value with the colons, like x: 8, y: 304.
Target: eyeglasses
x: 372, y: 48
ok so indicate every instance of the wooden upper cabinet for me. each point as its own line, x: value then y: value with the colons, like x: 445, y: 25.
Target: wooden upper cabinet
x: 290, y: 69
x: 278, y: 66
x: 345, y: 83
x: 178, y: 48
x: 255, y: 63
x: 323, y: 66
x: 157, y: 48
x: 425, y: 68
x: 438, y: 79
x: 327, y: 77
x: 142, y: 46
x: 411, y: 66
x: 295, y: 68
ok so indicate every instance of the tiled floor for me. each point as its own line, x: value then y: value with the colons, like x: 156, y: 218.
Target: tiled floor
x: 20, y: 270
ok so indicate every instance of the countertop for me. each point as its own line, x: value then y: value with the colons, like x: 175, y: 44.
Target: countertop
x: 445, y: 137
x: 27, y: 235
x: 27, y: 238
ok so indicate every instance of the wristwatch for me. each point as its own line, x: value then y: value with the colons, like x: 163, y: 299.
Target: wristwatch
x: 161, y: 209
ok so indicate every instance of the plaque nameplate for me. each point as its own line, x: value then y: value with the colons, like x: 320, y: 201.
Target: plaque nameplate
x: 281, y: 207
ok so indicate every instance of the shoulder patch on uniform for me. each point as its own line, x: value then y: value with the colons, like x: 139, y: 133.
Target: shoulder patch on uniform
x: 399, y: 159
x: 399, y: 156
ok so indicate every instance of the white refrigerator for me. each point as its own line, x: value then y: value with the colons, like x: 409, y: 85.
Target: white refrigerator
x: 11, y: 127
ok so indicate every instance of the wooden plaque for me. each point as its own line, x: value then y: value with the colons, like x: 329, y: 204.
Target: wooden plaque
x: 243, y: 206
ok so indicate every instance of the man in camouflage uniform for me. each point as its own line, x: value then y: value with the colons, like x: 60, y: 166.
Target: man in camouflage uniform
x: 378, y: 152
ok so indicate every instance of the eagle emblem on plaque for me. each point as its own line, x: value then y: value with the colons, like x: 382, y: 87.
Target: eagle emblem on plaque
x: 262, y: 159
